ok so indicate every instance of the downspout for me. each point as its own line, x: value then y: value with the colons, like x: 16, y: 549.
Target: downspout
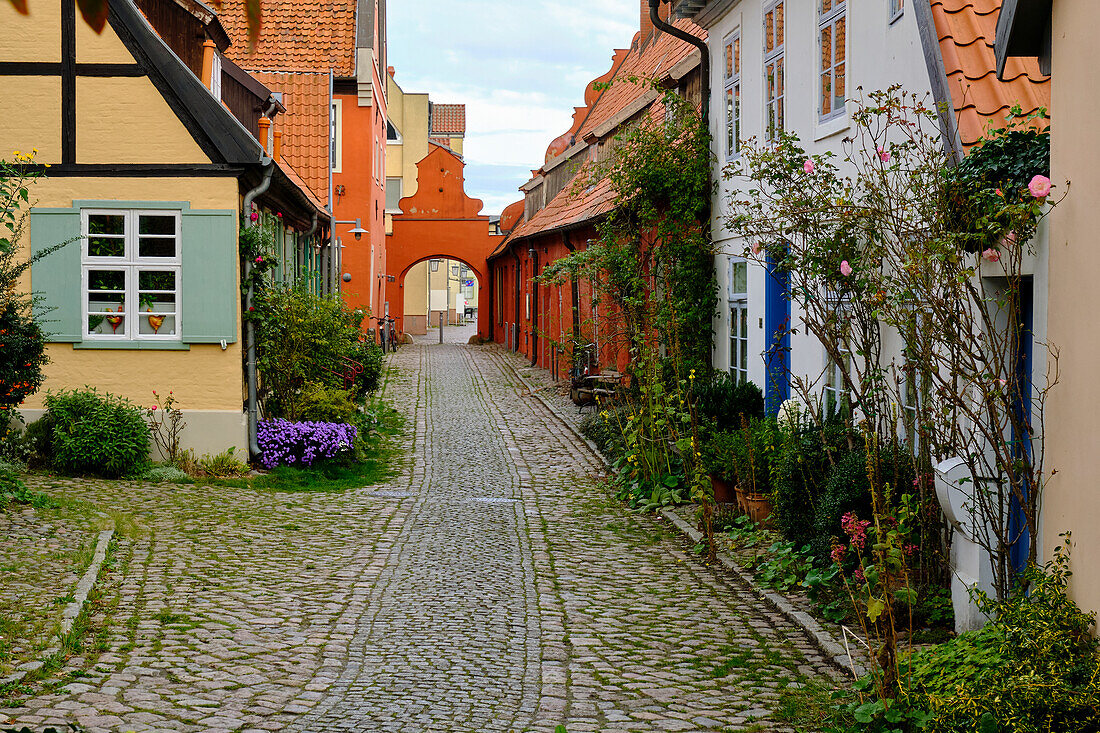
x: 704, y: 80
x: 249, y: 329
x: 533, y: 254
x: 515, y: 326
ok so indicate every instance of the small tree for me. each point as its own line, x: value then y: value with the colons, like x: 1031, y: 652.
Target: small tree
x: 894, y: 241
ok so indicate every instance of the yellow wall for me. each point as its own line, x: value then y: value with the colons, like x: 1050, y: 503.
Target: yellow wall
x: 203, y: 378
x: 409, y: 114
x: 126, y: 120
x: 34, y: 37
x: 1071, y: 501
x: 33, y: 118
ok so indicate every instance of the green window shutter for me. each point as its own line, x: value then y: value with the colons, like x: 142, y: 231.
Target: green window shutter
x: 210, y: 290
x: 56, y: 277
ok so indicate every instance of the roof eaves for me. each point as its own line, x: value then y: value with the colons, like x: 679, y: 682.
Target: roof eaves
x: 937, y: 78
x: 221, y: 135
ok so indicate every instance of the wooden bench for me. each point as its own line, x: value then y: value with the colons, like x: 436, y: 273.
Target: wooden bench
x: 597, y: 388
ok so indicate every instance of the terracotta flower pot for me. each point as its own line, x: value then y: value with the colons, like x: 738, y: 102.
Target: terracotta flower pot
x: 723, y: 492
x: 759, y: 509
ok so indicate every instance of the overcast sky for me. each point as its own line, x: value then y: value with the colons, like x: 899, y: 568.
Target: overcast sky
x: 519, y: 66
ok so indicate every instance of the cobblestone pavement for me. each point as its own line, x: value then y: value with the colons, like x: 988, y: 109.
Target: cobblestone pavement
x: 495, y: 586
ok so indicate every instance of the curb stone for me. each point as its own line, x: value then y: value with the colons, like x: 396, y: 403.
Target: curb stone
x: 823, y: 639
x: 72, y: 611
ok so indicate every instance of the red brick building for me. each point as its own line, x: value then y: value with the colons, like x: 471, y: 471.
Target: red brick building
x: 557, y: 217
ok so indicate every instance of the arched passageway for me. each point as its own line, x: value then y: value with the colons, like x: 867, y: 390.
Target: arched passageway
x: 439, y: 222
x: 439, y: 287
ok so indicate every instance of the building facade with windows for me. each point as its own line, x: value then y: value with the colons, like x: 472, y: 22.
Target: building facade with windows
x: 150, y: 166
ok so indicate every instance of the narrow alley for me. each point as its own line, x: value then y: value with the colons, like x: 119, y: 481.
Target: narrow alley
x: 493, y: 586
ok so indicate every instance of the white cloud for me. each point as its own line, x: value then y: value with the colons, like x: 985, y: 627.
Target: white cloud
x: 519, y: 66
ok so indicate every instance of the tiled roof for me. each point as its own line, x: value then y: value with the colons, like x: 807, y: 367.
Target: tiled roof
x: 573, y: 205
x: 448, y: 119
x: 305, y: 124
x: 660, y: 54
x: 966, y: 30
x: 297, y: 35
x: 293, y: 177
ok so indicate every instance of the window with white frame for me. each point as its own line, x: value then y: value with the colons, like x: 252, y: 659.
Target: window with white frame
x: 130, y: 274
x: 896, y: 8
x: 739, y: 319
x: 832, y: 32
x: 732, y: 96
x: 836, y: 390
x: 336, y: 144
x: 773, y: 68
x: 394, y: 186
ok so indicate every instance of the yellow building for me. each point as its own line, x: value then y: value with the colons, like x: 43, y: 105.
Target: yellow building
x: 415, y: 123
x: 152, y: 140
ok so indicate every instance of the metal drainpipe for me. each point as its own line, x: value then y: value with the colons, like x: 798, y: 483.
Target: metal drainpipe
x: 249, y: 330
x: 704, y: 55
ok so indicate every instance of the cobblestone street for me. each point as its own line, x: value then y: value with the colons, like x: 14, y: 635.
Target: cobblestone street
x: 495, y: 585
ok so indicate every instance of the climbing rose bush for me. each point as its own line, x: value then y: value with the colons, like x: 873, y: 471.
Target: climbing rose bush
x: 285, y: 443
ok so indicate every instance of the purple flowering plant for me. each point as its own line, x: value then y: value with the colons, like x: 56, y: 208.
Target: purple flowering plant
x: 286, y: 443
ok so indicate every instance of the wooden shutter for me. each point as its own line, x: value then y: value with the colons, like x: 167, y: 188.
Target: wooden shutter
x: 56, y: 277
x: 210, y: 289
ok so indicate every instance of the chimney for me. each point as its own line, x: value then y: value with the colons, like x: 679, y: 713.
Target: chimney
x: 264, y: 125
x: 664, y: 10
x: 277, y: 146
x: 391, y: 71
x: 208, y: 49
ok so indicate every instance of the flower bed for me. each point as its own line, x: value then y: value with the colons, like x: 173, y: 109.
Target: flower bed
x: 285, y: 443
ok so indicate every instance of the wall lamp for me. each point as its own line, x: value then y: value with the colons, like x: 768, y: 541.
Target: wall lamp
x: 358, y: 231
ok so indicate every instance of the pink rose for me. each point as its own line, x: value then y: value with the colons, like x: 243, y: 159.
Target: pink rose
x: 884, y: 155
x: 279, y: 214
x: 845, y: 269
x: 259, y: 259
x: 153, y: 408
x: 254, y: 216
x: 999, y: 192
x: 808, y: 166
x: 1039, y: 187
x: 755, y: 248
x: 991, y: 255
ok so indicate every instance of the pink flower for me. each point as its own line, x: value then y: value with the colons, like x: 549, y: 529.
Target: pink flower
x: 991, y: 255
x: 884, y: 155
x: 254, y: 216
x: 845, y: 269
x: 279, y: 214
x: 859, y: 576
x: 838, y: 553
x: 999, y: 192
x: 808, y: 166
x: 1039, y: 187
x: 755, y: 248
x: 855, y: 528
x: 259, y: 259
x: 153, y: 408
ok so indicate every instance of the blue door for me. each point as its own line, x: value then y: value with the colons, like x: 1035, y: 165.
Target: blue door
x: 777, y: 332
x: 1021, y: 406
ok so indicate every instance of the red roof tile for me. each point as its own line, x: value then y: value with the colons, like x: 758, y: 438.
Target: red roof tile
x: 966, y: 30
x: 448, y: 119
x: 297, y: 35
x: 305, y: 124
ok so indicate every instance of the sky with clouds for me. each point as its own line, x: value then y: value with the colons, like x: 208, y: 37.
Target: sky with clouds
x: 519, y: 66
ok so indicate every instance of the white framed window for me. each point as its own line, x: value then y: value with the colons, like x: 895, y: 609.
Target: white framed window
x: 732, y: 96
x: 216, y: 76
x: 130, y: 275
x: 336, y: 145
x: 896, y: 8
x: 773, y: 68
x: 737, y: 290
x: 394, y: 187
x: 836, y: 391
x: 833, y: 36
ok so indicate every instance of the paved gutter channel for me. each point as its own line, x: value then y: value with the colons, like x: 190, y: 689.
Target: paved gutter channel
x: 832, y: 648
x: 72, y: 610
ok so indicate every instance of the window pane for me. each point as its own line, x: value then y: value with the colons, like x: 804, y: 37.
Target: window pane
x: 157, y: 302
x: 156, y: 325
x: 156, y: 280
x: 838, y: 92
x: 737, y: 118
x: 106, y: 224
x: 826, y: 48
x: 779, y: 25
x: 840, y: 38
x: 737, y: 55
x: 106, y: 247
x: 101, y: 301
x: 739, y: 277
x: 729, y: 60
x: 826, y: 94
x: 826, y: 6
x: 107, y: 280
x: 155, y: 224
x: 157, y: 247
x: 730, y: 135
x: 769, y: 31
x: 106, y: 325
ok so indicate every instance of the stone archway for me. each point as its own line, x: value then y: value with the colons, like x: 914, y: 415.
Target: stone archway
x: 440, y: 221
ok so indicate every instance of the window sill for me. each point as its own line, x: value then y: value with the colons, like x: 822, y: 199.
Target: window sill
x: 831, y: 127
x: 134, y: 345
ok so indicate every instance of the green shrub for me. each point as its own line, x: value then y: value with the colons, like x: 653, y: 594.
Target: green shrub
x: 318, y: 403
x: 223, y: 465
x: 799, y: 472
x: 303, y: 338
x: 371, y: 356
x: 13, y: 490
x: 721, y: 403
x: 101, y: 435
x: 847, y: 489
x: 39, y: 441
x: 604, y: 427
x: 1035, y: 668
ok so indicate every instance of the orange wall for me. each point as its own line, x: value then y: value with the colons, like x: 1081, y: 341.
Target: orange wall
x: 363, y: 129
